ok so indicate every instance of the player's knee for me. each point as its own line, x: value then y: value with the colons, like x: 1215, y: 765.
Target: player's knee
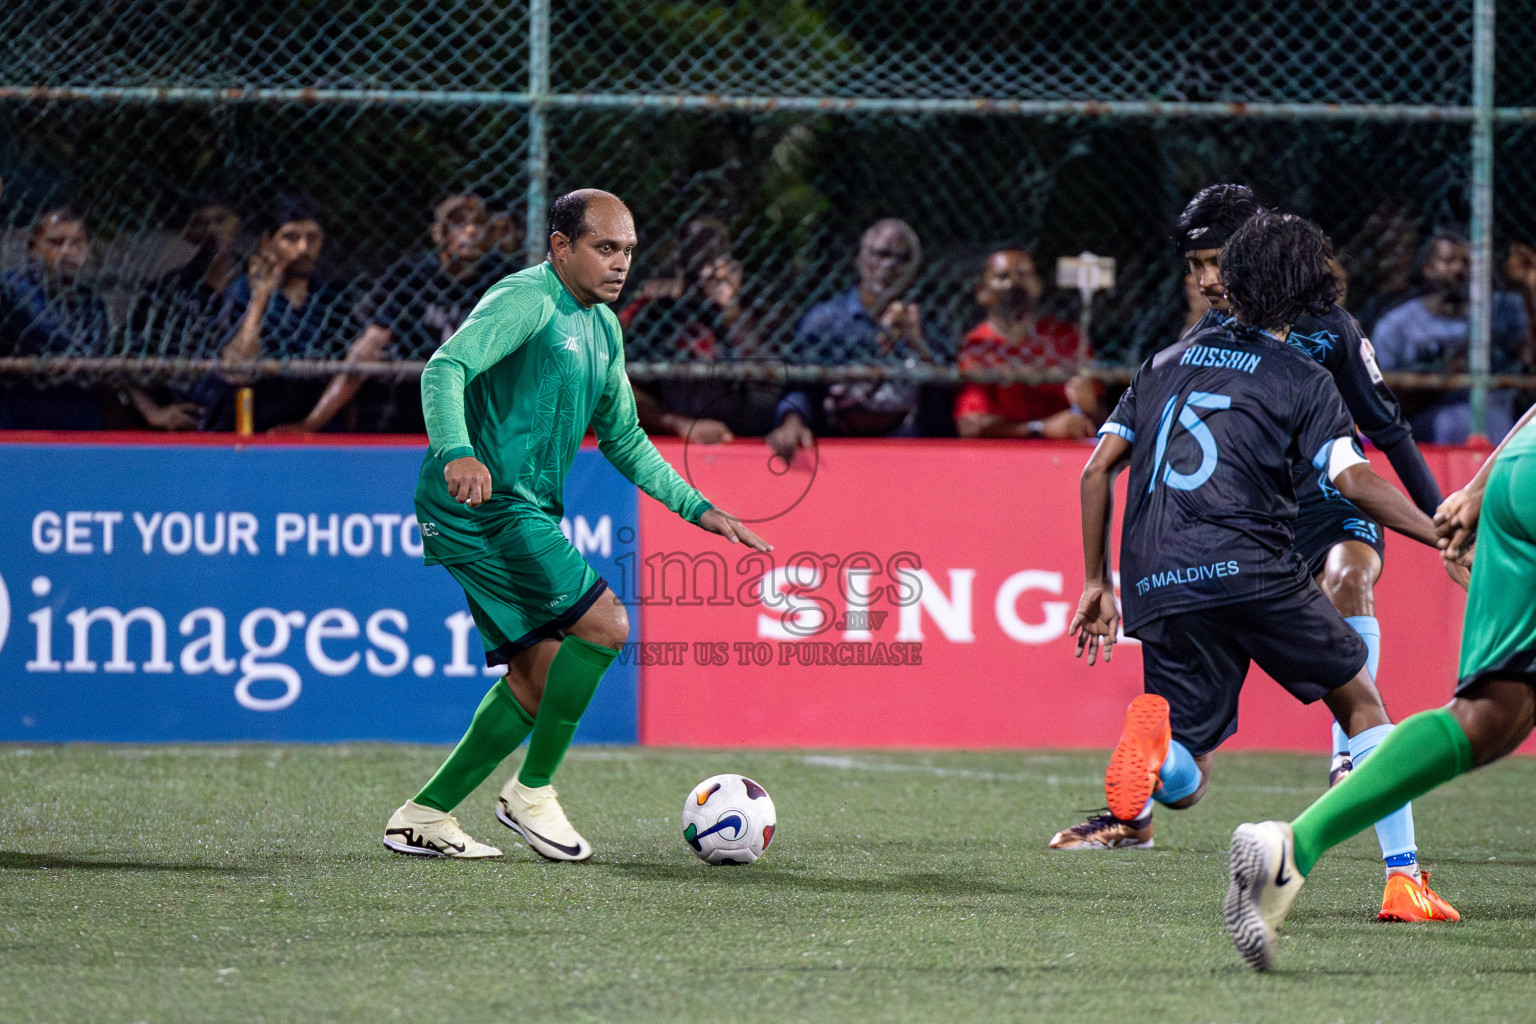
x: 610, y: 628
x: 1351, y: 588
x: 619, y: 626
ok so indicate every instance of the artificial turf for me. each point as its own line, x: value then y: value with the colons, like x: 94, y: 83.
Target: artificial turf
x: 248, y: 884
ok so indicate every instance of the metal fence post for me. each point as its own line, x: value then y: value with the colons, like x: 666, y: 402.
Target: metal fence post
x: 1480, y: 311
x: 536, y: 241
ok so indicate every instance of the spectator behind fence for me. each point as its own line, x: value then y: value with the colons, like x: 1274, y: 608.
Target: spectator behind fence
x: 870, y: 323
x: 177, y: 316
x: 45, y: 310
x: 416, y: 306
x: 1429, y: 334
x: 1520, y: 273
x: 1015, y: 335
x: 1383, y: 253
x: 276, y: 310
x: 700, y: 314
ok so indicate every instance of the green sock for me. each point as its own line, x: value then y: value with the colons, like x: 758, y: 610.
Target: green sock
x: 499, y: 725
x: 573, y: 678
x: 1424, y: 751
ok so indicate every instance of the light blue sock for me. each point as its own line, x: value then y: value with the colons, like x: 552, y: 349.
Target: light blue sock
x: 1340, y: 740
x: 1179, y: 774
x: 1395, y: 831
x: 1370, y: 631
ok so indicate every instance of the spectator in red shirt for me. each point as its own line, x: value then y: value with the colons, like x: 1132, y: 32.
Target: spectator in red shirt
x: 1014, y: 335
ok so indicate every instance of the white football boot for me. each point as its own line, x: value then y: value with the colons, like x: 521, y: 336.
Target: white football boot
x: 1265, y: 883
x: 536, y: 815
x: 425, y: 832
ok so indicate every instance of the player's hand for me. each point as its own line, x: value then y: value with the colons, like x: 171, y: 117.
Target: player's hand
x: 1460, y: 570
x: 733, y: 529
x: 705, y: 432
x: 469, y: 482
x: 1096, y: 623
x: 1456, y: 521
x: 291, y: 428
x: 789, y: 437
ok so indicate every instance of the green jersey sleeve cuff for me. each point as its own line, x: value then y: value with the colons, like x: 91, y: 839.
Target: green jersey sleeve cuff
x: 698, y: 512
x: 460, y: 451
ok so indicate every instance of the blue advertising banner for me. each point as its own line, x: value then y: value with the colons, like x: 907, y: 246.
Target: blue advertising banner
x: 168, y: 592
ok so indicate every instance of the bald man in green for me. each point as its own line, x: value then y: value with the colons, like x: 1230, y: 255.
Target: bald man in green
x: 507, y: 401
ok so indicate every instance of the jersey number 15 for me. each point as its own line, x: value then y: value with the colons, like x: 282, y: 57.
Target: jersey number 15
x: 1190, y: 421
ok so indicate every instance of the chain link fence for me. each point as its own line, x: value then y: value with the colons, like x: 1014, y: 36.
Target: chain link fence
x: 754, y: 140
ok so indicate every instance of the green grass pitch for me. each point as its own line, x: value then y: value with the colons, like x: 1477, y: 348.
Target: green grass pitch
x: 248, y: 884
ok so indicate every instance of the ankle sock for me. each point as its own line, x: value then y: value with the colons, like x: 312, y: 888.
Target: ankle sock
x: 1179, y: 775
x: 1424, y: 751
x: 1395, y: 831
x: 1370, y: 631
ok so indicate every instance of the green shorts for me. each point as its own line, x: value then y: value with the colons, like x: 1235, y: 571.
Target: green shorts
x: 1498, y: 638
x: 533, y: 587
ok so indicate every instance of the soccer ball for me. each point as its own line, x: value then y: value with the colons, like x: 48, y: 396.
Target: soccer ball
x: 728, y: 819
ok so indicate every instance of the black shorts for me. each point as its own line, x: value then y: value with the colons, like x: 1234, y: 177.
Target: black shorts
x: 1197, y: 660
x: 1327, y: 520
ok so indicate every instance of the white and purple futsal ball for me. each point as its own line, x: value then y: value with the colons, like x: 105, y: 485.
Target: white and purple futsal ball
x: 728, y: 819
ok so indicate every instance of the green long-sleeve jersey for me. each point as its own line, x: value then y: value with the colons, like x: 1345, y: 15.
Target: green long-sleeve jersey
x: 516, y: 388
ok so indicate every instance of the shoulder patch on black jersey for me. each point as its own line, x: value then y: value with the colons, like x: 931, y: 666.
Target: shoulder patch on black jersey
x: 1368, y: 355
x: 1317, y: 345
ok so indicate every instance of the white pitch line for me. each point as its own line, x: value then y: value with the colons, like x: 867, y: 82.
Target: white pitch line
x: 860, y: 765
x: 852, y: 764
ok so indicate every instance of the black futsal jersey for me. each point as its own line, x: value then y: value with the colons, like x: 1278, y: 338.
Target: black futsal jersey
x: 1218, y: 423
x: 1335, y: 340
x: 1326, y: 518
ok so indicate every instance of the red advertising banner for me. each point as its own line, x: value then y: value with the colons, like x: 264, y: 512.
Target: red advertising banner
x: 918, y: 595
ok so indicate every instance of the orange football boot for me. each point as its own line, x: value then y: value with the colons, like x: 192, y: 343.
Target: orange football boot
x: 1143, y: 747
x: 1410, y: 900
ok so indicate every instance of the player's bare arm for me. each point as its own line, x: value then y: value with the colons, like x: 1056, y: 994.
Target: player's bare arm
x: 1387, y: 505
x: 1097, y: 621
x: 1384, y: 503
